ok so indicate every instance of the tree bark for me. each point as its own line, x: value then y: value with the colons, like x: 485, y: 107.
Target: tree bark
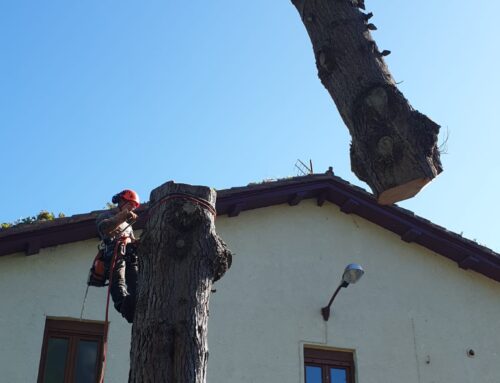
x: 180, y: 256
x: 394, y: 147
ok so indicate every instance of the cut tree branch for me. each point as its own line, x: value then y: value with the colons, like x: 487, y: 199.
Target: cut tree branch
x: 394, y: 147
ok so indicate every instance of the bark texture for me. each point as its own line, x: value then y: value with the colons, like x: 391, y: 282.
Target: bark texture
x: 180, y: 257
x: 394, y: 147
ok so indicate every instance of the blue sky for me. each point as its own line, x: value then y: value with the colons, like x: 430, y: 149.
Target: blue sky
x: 97, y: 96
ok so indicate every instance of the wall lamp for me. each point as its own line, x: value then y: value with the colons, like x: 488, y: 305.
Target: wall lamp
x: 352, y: 273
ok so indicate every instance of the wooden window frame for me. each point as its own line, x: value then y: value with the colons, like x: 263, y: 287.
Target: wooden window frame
x: 74, y: 330
x: 326, y: 359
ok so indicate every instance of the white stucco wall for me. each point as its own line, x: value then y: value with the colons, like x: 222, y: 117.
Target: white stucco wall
x: 410, y: 319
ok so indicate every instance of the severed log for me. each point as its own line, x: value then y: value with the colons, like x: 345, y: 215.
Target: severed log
x: 394, y: 147
x: 180, y: 256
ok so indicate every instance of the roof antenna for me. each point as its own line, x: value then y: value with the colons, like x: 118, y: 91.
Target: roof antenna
x: 303, y: 169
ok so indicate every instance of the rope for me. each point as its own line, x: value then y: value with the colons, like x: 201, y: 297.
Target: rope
x: 84, y: 300
x: 188, y: 197
x: 106, y: 320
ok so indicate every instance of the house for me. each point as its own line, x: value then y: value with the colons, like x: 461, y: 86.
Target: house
x: 426, y: 309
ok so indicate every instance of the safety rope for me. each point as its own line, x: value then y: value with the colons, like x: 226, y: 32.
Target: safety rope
x: 188, y: 197
x: 106, y: 320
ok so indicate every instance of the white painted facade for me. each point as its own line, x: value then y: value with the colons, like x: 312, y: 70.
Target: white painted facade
x: 410, y: 319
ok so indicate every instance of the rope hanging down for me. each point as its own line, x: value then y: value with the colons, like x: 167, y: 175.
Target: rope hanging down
x: 106, y: 320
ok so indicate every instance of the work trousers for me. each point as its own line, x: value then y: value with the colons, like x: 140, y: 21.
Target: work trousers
x: 124, y: 285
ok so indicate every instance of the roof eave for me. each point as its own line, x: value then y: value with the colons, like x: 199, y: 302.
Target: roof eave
x: 231, y: 202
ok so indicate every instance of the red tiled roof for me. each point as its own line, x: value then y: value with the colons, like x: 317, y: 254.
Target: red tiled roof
x: 351, y: 200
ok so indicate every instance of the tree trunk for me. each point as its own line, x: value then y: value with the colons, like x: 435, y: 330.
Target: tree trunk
x: 394, y: 147
x: 180, y: 257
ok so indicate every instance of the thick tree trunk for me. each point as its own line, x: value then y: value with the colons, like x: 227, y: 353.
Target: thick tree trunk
x: 394, y: 147
x: 180, y: 256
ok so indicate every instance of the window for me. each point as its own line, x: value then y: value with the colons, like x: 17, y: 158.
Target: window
x: 71, y: 351
x: 328, y: 366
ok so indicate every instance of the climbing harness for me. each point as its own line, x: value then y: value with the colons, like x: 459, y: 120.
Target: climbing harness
x: 97, y: 274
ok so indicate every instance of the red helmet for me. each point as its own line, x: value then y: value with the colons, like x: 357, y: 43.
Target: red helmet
x: 127, y: 195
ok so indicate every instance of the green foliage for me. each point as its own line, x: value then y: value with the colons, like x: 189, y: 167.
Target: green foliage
x: 43, y: 216
x: 110, y: 205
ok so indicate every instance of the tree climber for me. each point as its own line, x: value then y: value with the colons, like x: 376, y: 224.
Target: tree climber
x: 119, y: 251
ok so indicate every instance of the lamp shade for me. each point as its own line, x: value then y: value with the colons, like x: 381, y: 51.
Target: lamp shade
x: 352, y: 273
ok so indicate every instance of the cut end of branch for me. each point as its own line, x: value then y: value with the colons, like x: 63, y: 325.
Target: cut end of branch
x: 402, y: 192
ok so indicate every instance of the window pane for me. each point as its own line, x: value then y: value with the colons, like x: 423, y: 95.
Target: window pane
x: 55, y: 364
x: 86, y: 359
x: 338, y: 375
x: 313, y: 374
